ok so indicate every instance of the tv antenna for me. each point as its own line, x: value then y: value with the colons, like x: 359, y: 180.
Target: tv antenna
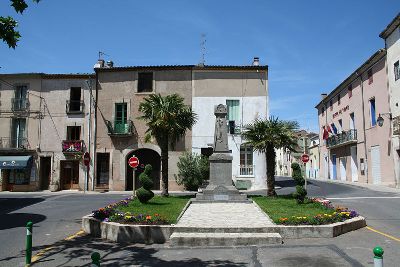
x: 102, y: 54
x: 203, y: 49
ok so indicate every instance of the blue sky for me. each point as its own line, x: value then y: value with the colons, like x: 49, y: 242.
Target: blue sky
x: 310, y: 46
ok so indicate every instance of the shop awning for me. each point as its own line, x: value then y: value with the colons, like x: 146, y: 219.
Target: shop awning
x: 15, y: 162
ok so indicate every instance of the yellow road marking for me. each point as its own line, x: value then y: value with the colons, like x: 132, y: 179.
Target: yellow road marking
x: 389, y: 236
x: 43, y: 251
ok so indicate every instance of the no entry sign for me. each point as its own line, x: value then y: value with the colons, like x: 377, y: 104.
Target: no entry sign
x: 133, y: 162
x: 305, y: 158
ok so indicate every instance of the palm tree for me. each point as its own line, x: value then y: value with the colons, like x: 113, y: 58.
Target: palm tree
x: 265, y: 136
x: 167, y: 119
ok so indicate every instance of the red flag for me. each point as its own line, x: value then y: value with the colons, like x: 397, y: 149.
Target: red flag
x: 328, y: 129
x: 325, y: 134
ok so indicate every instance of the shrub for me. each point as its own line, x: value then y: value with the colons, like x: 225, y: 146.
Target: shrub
x: 301, y: 193
x: 193, y: 170
x: 144, y: 194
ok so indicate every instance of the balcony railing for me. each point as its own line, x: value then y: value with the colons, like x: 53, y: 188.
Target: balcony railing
x: 120, y: 128
x: 14, y: 143
x: 19, y: 104
x: 246, y: 170
x: 72, y: 146
x: 74, y: 106
x: 346, y: 137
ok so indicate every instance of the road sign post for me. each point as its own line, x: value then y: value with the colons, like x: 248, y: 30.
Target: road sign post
x: 305, y: 158
x: 133, y: 162
x: 86, y: 162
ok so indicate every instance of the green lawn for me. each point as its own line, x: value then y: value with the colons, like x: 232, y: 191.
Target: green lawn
x: 168, y: 207
x: 286, y: 207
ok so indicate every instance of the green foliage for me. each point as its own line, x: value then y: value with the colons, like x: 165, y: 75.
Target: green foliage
x: 167, y: 119
x: 7, y: 24
x: 144, y: 194
x: 193, y: 170
x: 300, y: 193
x: 264, y: 136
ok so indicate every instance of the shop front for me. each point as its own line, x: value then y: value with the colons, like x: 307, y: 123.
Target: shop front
x: 17, y: 173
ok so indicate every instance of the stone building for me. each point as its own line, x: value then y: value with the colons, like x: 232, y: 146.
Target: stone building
x: 120, y: 135
x: 352, y: 145
x: 44, y: 131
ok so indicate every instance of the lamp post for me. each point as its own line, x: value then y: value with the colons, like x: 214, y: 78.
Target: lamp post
x: 380, y: 120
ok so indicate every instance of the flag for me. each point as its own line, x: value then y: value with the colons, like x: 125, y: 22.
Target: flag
x: 334, y: 128
x: 325, y: 134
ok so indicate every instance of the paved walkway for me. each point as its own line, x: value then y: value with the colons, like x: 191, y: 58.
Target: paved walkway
x: 224, y: 215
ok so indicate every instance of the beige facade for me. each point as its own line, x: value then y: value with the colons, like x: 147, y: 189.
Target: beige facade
x: 357, y: 149
x: 44, y: 131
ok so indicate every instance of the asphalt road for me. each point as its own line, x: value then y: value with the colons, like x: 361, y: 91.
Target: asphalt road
x: 57, y: 216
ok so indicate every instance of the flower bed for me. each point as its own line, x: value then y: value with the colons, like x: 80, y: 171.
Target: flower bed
x: 315, y: 211
x: 158, y: 211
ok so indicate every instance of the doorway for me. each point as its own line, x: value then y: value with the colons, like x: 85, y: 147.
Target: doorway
x: 45, y: 172
x: 376, y: 164
x: 343, y: 168
x: 69, y: 175
x: 334, y: 175
x: 145, y: 156
x: 354, y: 167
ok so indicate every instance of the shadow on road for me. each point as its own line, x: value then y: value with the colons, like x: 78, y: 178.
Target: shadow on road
x: 8, y: 205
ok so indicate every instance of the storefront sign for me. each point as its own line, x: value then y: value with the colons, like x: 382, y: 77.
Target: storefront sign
x: 337, y: 113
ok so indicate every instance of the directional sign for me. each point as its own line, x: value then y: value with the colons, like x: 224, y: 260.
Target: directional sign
x: 86, y: 159
x: 133, y: 162
x: 305, y: 158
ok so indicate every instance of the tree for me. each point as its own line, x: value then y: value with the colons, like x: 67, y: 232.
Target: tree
x: 167, y: 119
x: 267, y: 135
x: 193, y: 170
x: 8, y: 33
x: 144, y: 193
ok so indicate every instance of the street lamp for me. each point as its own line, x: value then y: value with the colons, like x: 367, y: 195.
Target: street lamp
x: 380, y: 119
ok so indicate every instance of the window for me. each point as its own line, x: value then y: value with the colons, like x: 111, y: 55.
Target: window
x: 340, y: 126
x: 373, y: 111
x: 20, y: 101
x: 350, y: 90
x: 121, y: 118
x: 246, y: 160
x: 145, y: 82
x: 73, y: 132
x: 103, y: 167
x: 75, y: 99
x: 396, y: 71
x: 331, y: 104
x: 233, y: 115
x: 19, y: 139
x: 352, y: 124
x: 370, y: 76
x: 19, y: 176
x: 338, y: 99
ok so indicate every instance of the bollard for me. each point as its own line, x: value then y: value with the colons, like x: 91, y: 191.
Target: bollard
x: 378, y: 258
x: 28, y: 251
x: 95, y: 259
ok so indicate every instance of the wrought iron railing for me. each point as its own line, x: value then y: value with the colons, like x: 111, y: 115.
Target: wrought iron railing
x: 246, y: 170
x: 20, y: 104
x: 14, y: 143
x: 342, y: 138
x: 72, y: 146
x: 74, y: 106
x: 120, y: 128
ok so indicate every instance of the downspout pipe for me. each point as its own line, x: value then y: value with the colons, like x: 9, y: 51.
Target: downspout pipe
x: 95, y: 130
x: 364, y: 132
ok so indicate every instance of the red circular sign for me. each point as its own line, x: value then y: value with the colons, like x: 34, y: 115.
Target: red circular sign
x: 133, y: 162
x: 86, y: 159
x: 305, y: 158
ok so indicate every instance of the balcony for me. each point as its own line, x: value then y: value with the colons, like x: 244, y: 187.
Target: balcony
x: 119, y: 128
x: 20, y: 104
x: 246, y: 170
x: 74, y: 106
x: 72, y: 146
x: 344, y: 138
x: 14, y: 143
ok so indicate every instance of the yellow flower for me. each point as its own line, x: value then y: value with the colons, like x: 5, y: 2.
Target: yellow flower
x: 304, y: 217
x: 325, y: 214
x: 330, y: 215
x: 127, y: 217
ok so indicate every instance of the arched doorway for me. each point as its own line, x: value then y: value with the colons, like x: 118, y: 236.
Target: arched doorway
x: 145, y: 156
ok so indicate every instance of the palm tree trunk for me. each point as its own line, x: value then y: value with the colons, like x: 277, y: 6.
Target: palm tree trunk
x: 270, y: 160
x: 164, y: 172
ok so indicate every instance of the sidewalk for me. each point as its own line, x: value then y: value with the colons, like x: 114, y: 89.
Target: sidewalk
x: 379, y: 188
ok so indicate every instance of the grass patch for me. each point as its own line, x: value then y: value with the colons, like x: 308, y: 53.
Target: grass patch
x: 168, y: 208
x: 307, y: 213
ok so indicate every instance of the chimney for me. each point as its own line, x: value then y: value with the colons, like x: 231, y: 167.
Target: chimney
x: 256, y: 61
x: 323, y: 96
x: 99, y: 64
x: 110, y: 64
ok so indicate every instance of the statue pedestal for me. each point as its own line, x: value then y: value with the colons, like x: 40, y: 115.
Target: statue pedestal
x: 220, y: 188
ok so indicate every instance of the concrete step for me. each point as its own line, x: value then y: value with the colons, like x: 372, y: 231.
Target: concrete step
x: 192, y: 229
x: 223, y: 239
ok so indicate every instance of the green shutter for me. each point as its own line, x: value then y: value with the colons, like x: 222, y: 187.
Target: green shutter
x: 233, y: 110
